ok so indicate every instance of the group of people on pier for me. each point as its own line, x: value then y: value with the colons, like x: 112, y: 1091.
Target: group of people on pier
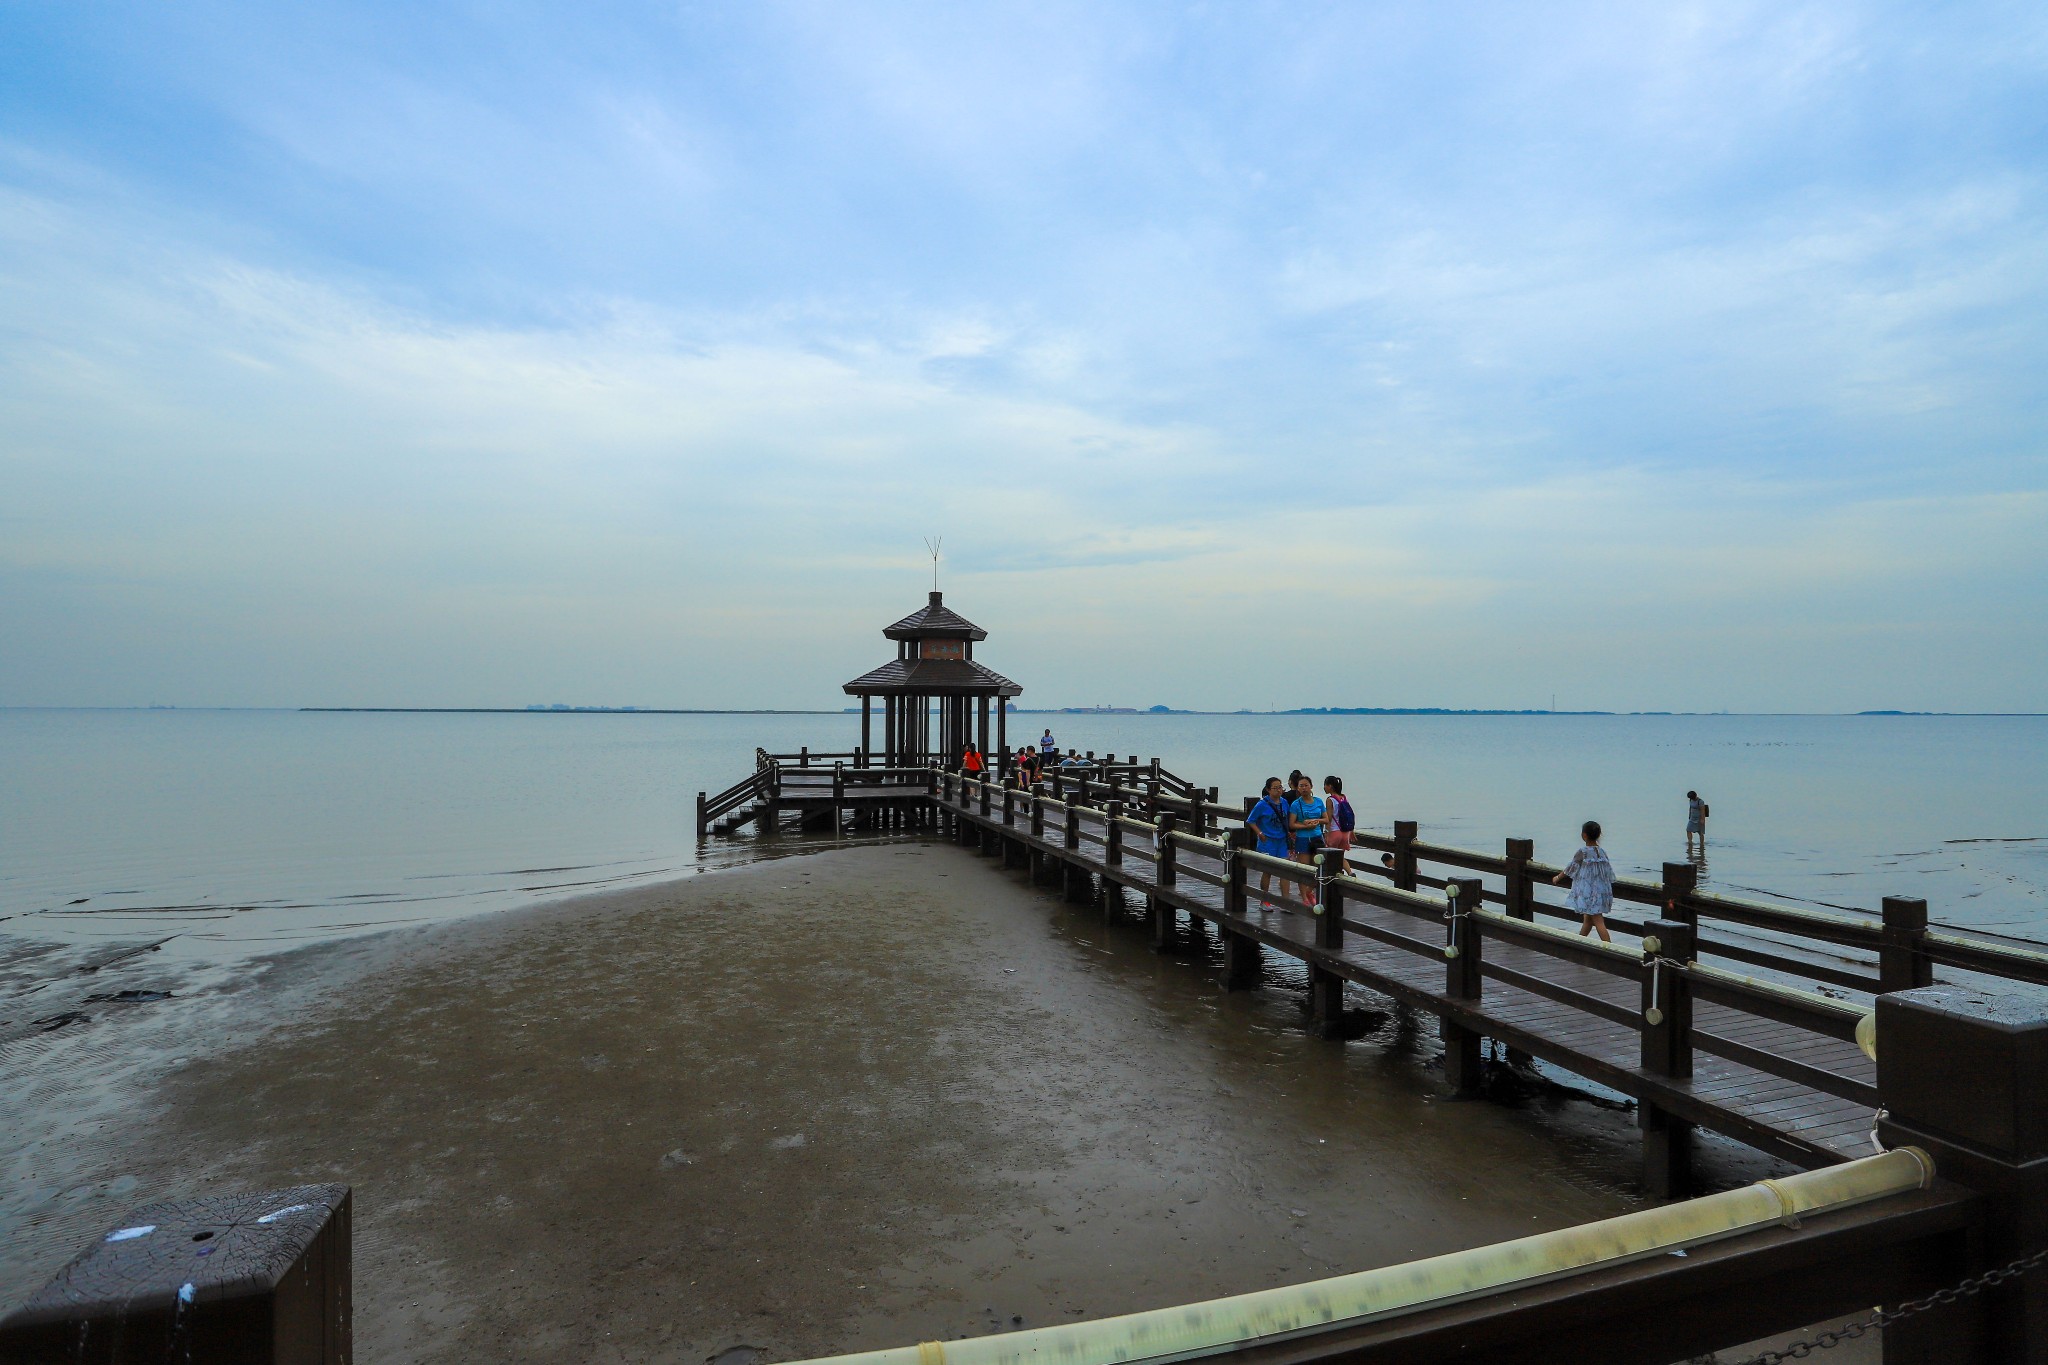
x: 1290, y: 820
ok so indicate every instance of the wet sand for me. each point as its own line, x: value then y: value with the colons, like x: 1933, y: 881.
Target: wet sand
x: 862, y: 1098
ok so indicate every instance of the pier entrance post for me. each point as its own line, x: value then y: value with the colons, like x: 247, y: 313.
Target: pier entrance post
x: 1963, y: 1073
x: 1404, y: 855
x: 1902, y: 961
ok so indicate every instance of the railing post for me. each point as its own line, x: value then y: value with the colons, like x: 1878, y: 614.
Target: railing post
x: 1155, y: 773
x: 1072, y: 834
x: 1112, y: 835
x: 1680, y: 881
x: 1241, y: 964
x: 983, y: 784
x: 803, y: 757
x: 1404, y: 855
x: 1902, y: 961
x: 703, y: 825
x: 1009, y: 806
x: 838, y: 799
x: 1168, y: 864
x: 1667, y: 1051
x: 1521, y: 893
x: 1464, y: 1064
x: 1325, y: 987
x: 1963, y: 1074
x: 1037, y: 815
x: 1198, y: 820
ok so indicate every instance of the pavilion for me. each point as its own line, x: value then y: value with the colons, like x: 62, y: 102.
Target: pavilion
x: 934, y: 663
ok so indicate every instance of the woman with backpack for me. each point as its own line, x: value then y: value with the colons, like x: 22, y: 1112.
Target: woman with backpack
x: 1695, y: 824
x: 1342, y: 822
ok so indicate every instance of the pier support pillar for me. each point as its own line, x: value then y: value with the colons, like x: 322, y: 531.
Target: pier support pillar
x: 1164, y: 922
x: 1242, y: 961
x: 1078, y: 887
x: 1963, y: 1073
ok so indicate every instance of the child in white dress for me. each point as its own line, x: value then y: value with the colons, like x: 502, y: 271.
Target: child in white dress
x: 1591, y: 878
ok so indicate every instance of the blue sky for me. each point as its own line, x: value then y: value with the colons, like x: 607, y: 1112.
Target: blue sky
x: 1651, y: 356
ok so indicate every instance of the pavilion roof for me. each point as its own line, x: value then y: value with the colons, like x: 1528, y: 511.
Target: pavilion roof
x: 934, y: 677
x: 935, y: 618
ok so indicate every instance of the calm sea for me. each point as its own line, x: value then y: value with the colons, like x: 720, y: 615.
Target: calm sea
x: 226, y: 834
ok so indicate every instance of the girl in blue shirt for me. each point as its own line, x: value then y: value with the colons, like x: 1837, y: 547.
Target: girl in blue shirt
x: 1268, y: 820
x: 1307, y: 814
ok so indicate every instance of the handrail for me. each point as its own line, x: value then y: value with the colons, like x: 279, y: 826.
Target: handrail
x: 1215, y: 848
x: 1389, y: 897
x: 1973, y: 954
x: 1343, y: 1302
x: 1787, y: 1004
x: 1607, y: 957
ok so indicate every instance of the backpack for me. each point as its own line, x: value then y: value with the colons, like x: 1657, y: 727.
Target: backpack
x: 1346, y: 821
x: 1705, y: 810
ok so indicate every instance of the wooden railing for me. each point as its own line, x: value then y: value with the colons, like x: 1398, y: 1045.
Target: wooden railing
x: 1457, y: 925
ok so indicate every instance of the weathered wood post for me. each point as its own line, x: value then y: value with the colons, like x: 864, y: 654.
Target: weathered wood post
x: 1902, y: 960
x: 1112, y: 891
x: 1073, y: 879
x: 803, y: 756
x: 229, y: 1279
x: 1037, y: 814
x: 1680, y: 880
x: 1404, y: 855
x: 1464, y: 1064
x: 1325, y: 987
x: 703, y: 825
x: 1241, y: 962
x: 1521, y: 892
x: 1161, y: 916
x: 1667, y: 1051
x: 1198, y: 819
x: 1963, y: 1073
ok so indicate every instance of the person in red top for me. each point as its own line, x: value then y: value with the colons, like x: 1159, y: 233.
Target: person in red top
x: 972, y: 763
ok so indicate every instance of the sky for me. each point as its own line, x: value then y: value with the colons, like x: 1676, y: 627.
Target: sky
x: 1685, y: 357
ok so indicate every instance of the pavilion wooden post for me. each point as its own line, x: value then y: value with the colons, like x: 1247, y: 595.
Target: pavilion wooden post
x: 866, y: 728
x: 1404, y: 855
x: 1464, y: 1066
x: 1325, y: 987
x: 1003, y: 728
x: 1667, y: 1051
x: 1902, y: 961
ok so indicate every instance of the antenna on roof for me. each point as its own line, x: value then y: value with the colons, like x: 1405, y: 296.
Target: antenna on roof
x: 932, y: 543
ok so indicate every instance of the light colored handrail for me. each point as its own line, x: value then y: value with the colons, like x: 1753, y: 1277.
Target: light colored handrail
x: 1509, y: 927
x: 1190, y: 1331
x: 1810, y: 1001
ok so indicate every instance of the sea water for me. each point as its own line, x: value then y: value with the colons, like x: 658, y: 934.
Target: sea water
x: 222, y: 835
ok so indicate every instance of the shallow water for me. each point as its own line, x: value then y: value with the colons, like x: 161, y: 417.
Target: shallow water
x: 226, y: 834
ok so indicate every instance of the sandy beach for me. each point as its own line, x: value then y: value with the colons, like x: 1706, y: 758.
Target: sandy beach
x: 854, y: 1099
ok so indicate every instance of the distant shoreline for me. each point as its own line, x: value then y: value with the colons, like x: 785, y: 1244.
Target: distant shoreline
x: 1119, y: 711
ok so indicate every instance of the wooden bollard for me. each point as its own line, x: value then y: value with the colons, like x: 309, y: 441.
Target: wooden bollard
x: 228, y: 1279
x: 1902, y: 960
x: 1463, y: 1063
x: 1667, y: 1051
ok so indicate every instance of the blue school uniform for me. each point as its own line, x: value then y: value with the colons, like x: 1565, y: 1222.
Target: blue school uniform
x: 1309, y: 811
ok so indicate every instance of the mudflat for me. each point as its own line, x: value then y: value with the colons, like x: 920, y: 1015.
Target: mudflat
x: 859, y: 1098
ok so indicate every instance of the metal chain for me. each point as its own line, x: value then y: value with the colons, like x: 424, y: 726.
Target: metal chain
x: 1941, y: 1298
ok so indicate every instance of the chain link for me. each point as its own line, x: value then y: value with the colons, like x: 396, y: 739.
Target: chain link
x: 1941, y: 1298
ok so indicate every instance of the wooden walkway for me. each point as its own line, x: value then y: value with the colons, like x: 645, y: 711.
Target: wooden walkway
x: 1795, y: 1086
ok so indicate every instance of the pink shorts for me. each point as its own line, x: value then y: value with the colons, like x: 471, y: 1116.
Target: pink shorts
x: 1337, y: 838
